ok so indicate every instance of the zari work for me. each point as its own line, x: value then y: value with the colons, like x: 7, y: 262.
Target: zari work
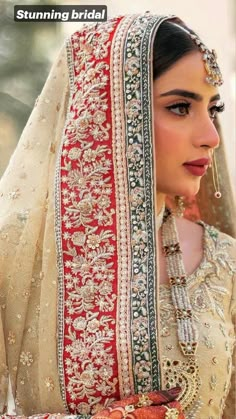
x: 90, y: 323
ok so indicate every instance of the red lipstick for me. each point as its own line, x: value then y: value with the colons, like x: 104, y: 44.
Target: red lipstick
x: 197, y: 167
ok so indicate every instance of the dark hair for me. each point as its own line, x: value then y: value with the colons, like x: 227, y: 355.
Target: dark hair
x: 170, y: 44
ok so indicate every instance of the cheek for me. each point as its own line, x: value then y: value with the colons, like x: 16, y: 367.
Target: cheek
x: 167, y: 140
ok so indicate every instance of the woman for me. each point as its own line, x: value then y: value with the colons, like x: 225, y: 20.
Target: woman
x: 91, y: 267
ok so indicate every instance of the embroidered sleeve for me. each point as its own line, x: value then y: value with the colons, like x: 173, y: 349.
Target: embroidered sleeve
x: 230, y: 405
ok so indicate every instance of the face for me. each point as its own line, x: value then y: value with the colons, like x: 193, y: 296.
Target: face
x: 185, y: 106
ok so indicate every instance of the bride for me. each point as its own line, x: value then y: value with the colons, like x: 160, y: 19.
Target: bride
x: 116, y: 301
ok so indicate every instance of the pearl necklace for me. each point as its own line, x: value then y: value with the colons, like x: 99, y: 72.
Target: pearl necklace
x: 187, y: 332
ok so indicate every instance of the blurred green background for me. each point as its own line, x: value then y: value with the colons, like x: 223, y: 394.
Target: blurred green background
x: 26, y: 54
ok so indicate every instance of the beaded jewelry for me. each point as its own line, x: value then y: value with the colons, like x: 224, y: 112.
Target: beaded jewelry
x: 187, y: 332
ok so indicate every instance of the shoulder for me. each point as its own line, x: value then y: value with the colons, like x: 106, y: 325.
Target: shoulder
x: 221, y: 240
x: 219, y: 251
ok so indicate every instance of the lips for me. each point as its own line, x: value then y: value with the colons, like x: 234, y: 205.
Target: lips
x: 197, y: 167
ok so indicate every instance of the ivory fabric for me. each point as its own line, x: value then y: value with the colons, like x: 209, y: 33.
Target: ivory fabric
x: 71, y: 277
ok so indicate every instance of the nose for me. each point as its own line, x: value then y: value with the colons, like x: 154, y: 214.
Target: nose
x: 207, y: 134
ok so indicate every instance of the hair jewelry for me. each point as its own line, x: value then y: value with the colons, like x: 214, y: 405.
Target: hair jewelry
x: 214, y: 75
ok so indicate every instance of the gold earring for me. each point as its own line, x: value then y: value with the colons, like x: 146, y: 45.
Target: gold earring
x: 179, y: 206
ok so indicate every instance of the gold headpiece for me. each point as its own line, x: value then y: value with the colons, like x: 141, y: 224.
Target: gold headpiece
x: 214, y: 76
x: 209, y: 57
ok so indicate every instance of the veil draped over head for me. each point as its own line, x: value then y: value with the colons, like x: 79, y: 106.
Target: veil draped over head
x: 78, y: 261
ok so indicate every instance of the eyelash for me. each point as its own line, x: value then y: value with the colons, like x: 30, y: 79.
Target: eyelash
x: 186, y: 106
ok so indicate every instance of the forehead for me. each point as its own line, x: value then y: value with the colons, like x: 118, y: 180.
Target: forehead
x: 187, y: 73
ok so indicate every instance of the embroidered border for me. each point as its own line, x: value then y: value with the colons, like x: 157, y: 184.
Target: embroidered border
x: 69, y: 50
x: 138, y: 108
x: 85, y: 232
x: 147, y: 81
x: 58, y: 236
x: 122, y: 207
x: 135, y: 163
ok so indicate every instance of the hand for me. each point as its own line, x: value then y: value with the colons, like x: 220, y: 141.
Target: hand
x: 153, y: 405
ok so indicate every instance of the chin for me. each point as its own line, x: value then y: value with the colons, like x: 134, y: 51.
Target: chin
x: 189, y: 191
x: 183, y: 188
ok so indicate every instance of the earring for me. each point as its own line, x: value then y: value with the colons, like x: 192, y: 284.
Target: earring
x: 215, y: 177
x: 179, y: 206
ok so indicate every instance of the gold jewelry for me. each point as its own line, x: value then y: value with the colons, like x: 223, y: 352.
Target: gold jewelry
x: 215, y: 177
x: 179, y: 206
x: 144, y: 401
x: 187, y: 332
x: 214, y: 75
x: 171, y: 413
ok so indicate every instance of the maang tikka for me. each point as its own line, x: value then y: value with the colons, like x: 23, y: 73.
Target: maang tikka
x: 214, y: 75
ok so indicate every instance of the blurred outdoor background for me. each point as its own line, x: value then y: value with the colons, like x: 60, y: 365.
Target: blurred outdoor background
x: 27, y: 51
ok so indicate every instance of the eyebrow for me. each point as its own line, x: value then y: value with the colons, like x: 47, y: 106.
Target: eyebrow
x: 188, y: 94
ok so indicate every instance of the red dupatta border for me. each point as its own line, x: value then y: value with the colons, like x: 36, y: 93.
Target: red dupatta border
x: 87, y: 257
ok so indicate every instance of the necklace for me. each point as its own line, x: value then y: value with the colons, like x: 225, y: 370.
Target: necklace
x: 187, y: 332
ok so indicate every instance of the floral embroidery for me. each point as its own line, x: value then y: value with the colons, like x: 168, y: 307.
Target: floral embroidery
x: 210, y: 292
x: 89, y: 245
x: 49, y: 383
x: 26, y: 358
x: 140, y: 179
x: 11, y: 338
x: 209, y: 296
x: 167, y: 314
x: 14, y: 194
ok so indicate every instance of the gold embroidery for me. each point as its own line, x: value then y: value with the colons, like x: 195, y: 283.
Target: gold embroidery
x: 213, y: 382
x: 209, y: 296
x: 206, y: 339
x: 184, y: 374
x: 86, y: 197
x: 167, y: 313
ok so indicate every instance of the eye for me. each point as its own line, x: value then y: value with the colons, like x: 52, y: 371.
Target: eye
x: 180, y: 109
x: 214, y: 110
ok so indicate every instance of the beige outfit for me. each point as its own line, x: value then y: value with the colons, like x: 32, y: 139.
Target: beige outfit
x: 213, y: 297
x: 29, y: 280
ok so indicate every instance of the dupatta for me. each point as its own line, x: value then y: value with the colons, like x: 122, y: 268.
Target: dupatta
x: 79, y: 254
